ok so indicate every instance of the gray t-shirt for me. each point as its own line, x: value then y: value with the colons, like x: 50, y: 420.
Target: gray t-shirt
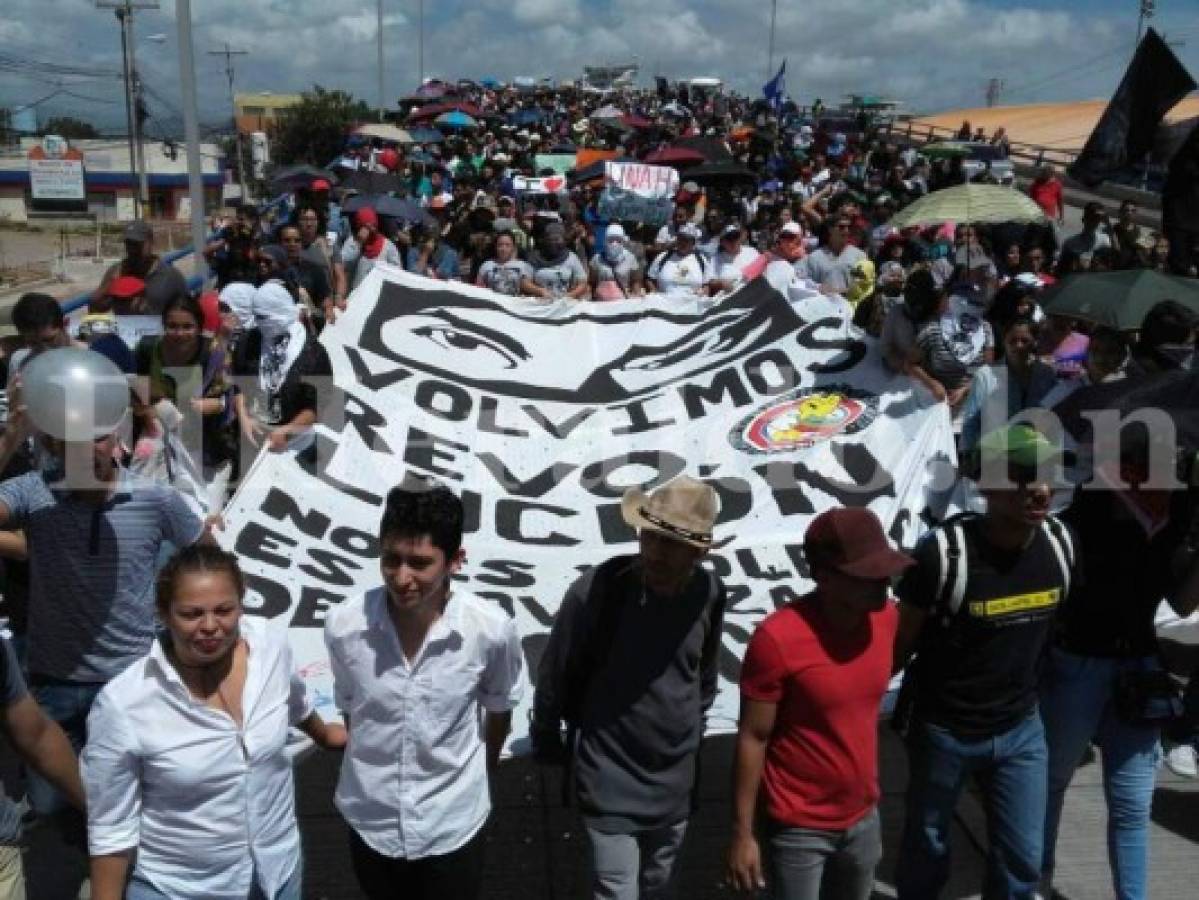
x: 92, y: 569
x: 12, y: 689
x: 826, y: 268
x: 504, y: 278
x: 562, y: 278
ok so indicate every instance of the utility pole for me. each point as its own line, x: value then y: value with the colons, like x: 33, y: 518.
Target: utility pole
x: 241, y: 170
x: 774, y: 8
x: 137, y: 163
x: 994, y: 89
x: 191, y: 129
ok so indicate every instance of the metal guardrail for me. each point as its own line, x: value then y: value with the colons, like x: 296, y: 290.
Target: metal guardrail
x: 194, y: 283
x: 1030, y: 154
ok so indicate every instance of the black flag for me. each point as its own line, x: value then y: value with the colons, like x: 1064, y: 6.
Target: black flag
x: 1154, y: 83
x: 1180, y: 204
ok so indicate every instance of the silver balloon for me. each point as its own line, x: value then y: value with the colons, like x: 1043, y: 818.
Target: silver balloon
x: 74, y: 394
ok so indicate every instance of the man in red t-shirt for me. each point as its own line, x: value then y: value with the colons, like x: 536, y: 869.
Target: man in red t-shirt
x: 812, y: 681
x: 1046, y: 191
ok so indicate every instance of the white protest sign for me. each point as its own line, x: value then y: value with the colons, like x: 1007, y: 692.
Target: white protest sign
x: 541, y: 415
x: 635, y: 192
x: 549, y: 185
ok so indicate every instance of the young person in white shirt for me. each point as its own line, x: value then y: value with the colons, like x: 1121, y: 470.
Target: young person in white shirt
x: 427, y: 678
x: 186, y: 772
x: 681, y: 270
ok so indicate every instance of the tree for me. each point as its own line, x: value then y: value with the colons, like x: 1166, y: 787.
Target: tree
x: 71, y: 128
x: 314, y: 130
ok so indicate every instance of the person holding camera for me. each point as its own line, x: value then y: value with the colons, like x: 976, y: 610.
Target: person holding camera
x: 231, y: 253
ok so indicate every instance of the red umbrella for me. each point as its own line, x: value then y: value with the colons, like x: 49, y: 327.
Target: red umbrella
x: 675, y: 156
x: 634, y: 121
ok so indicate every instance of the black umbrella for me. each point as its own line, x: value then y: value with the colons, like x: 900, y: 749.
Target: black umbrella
x: 294, y: 177
x: 1176, y: 394
x: 372, y: 183
x: 721, y: 173
x: 404, y: 209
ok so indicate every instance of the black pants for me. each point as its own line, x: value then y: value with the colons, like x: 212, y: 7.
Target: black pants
x: 454, y: 876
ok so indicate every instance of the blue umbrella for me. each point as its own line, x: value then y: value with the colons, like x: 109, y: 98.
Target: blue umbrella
x: 455, y: 119
x: 422, y: 135
x: 489, y: 83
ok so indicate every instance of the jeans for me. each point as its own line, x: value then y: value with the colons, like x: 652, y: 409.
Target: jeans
x: 67, y: 704
x: 457, y: 875
x: 12, y: 873
x: 810, y: 864
x: 140, y: 889
x: 1011, y: 770
x: 1077, y: 708
x: 635, y: 866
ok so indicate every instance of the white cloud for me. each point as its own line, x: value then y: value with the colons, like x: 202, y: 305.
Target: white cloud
x: 931, y: 53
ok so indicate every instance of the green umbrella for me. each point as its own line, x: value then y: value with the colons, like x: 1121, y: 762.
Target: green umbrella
x: 944, y: 150
x: 1119, y: 300
x: 969, y: 203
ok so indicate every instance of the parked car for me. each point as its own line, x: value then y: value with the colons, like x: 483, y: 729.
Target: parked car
x: 980, y: 154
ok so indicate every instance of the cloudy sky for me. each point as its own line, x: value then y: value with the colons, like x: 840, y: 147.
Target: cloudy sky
x: 932, y: 54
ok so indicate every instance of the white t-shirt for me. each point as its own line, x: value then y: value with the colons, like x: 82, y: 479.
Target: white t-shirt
x: 726, y: 267
x: 679, y: 275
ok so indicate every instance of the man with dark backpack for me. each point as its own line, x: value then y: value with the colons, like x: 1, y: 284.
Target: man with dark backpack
x: 978, y: 610
x: 631, y: 666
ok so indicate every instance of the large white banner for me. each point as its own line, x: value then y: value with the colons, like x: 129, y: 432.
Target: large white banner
x: 541, y: 415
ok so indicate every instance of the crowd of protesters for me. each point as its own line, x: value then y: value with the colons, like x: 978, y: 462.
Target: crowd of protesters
x: 1026, y: 631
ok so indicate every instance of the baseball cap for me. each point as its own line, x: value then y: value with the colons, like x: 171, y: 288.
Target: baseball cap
x: 688, y: 232
x: 138, y: 230
x: 792, y: 228
x: 1020, y: 447
x: 852, y: 541
x: 733, y: 227
x: 615, y: 230
x: 691, y: 187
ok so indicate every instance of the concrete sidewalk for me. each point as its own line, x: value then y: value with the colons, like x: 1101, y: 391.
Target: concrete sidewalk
x: 536, y: 850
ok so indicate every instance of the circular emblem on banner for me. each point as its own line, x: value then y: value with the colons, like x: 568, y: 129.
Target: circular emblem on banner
x: 805, y: 418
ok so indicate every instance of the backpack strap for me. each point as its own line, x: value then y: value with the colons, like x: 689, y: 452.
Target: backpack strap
x: 1063, y: 549
x: 950, y: 539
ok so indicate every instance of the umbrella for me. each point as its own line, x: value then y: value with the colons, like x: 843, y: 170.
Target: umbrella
x: 635, y: 121
x: 489, y: 83
x: 455, y: 119
x: 607, y: 113
x: 385, y: 132
x: 403, y: 208
x: 293, y: 177
x: 1119, y: 300
x: 709, y: 148
x: 969, y: 203
x: 944, y: 150
x: 432, y: 89
x: 1174, y: 393
x: 372, y: 183
x: 563, y: 147
x: 721, y: 172
x: 422, y: 135
x: 675, y: 156
x: 523, y: 117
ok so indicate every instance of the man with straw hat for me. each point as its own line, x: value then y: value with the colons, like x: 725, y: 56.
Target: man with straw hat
x: 631, y: 666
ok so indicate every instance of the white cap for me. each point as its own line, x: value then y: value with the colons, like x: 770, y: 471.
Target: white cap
x: 688, y: 231
x: 791, y: 228
x: 614, y: 231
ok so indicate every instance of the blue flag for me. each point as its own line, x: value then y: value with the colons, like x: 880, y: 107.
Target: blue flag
x: 774, y: 88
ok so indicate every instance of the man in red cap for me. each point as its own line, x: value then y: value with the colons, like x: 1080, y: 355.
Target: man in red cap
x: 812, y: 680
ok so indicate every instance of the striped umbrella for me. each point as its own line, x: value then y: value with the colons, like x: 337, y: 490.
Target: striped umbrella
x: 980, y: 203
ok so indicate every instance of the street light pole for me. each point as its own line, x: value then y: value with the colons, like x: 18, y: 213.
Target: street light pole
x: 379, y: 41
x: 420, y: 18
x: 191, y: 130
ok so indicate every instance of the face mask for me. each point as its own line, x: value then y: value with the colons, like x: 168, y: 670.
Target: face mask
x: 613, y: 251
